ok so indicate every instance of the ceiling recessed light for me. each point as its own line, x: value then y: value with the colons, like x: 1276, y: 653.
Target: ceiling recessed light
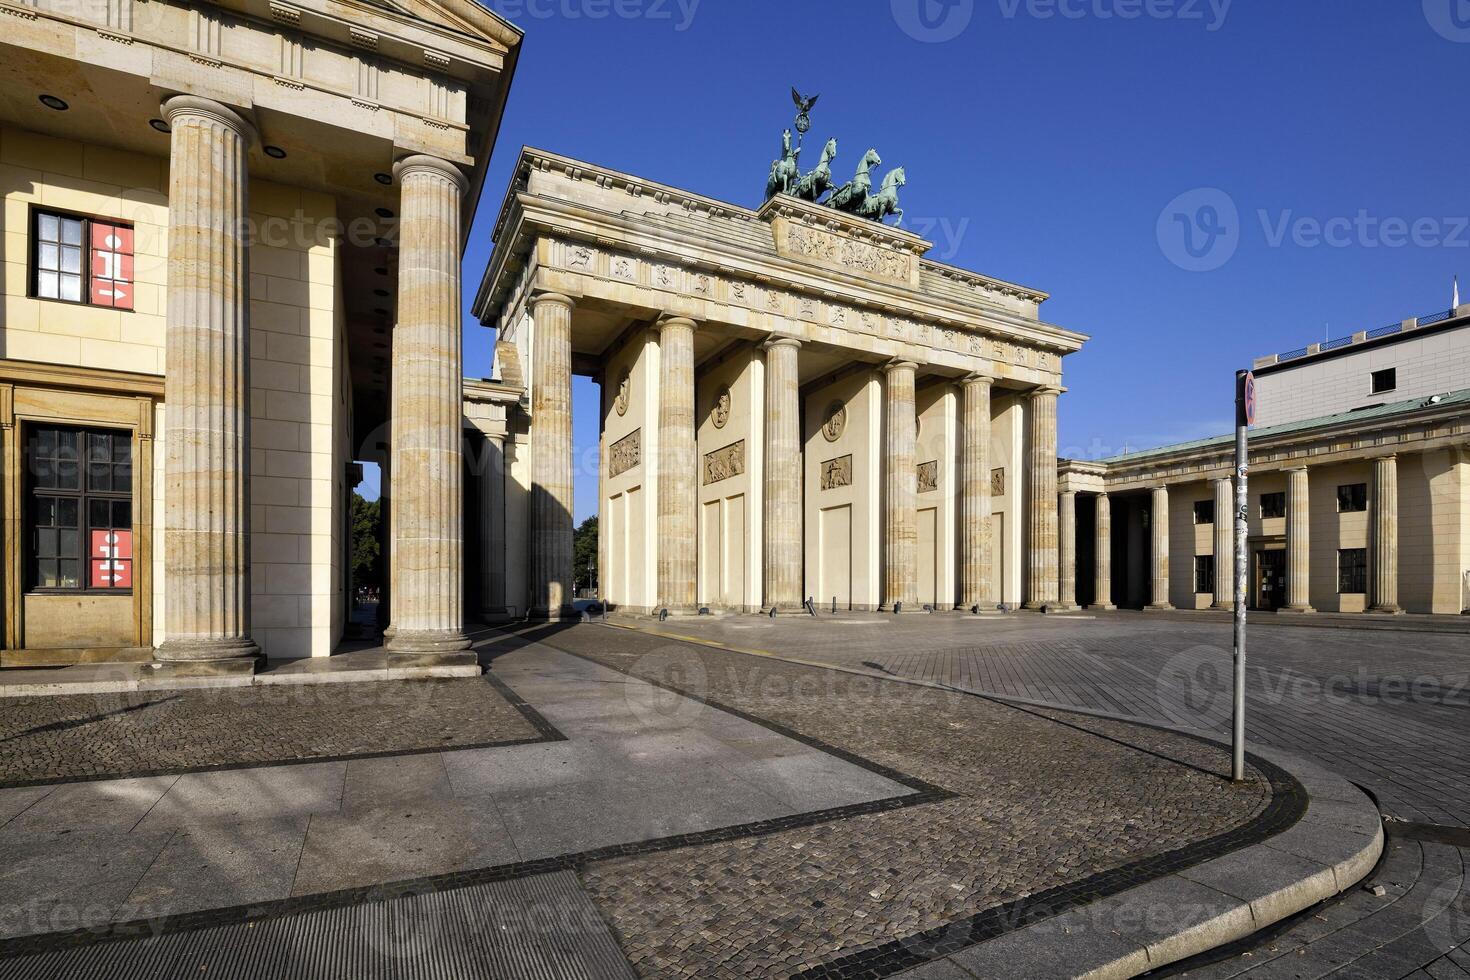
x: 380, y: 292
x: 383, y: 243
x: 52, y: 102
x: 383, y: 212
x: 159, y: 125
x: 274, y: 152
x: 383, y: 179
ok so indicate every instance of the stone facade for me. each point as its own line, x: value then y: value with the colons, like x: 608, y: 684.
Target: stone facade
x: 843, y: 361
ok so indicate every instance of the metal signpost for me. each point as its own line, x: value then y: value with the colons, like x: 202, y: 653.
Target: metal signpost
x: 1245, y: 416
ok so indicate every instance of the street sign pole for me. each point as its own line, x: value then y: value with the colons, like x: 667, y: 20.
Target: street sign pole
x: 1245, y: 416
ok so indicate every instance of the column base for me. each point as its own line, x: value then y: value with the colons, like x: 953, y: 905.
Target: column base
x: 195, y: 650
x: 1295, y: 611
x: 566, y: 614
x: 1227, y: 606
x: 1393, y: 610
x: 429, y: 648
x: 496, y: 617
x: 1036, y: 605
x: 1159, y: 607
x: 1103, y: 607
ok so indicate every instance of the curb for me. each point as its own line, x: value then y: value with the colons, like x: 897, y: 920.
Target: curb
x: 1332, y: 848
x: 1335, y: 845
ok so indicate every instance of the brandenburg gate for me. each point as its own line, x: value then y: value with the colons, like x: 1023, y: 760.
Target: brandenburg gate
x: 796, y: 404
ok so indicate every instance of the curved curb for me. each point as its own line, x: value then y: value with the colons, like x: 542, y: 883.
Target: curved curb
x: 1333, y: 847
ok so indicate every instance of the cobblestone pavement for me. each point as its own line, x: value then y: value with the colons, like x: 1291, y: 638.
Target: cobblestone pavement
x: 93, y: 736
x: 1388, y: 709
x: 1039, y: 804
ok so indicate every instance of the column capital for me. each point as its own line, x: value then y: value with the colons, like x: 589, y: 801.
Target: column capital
x: 975, y: 377
x: 193, y: 105
x: 779, y: 340
x: 422, y: 163
x: 1386, y: 458
x: 669, y: 321
x: 1294, y: 469
x: 1041, y: 391
x: 555, y: 299
x: 1223, y: 479
x: 1101, y: 494
x: 899, y: 364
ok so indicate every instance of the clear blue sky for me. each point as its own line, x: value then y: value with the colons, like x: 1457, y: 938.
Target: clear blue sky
x: 1044, y: 143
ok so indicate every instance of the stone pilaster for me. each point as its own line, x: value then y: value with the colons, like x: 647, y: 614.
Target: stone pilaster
x: 1067, y: 549
x: 206, y: 543
x: 428, y: 431
x: 551, y: 457
x: 782, y: 568
x: 491, y: 498
x: 1298, y: 543
x: 1224, y: 543
x: 1385, y: 533
x: 1159, y: 523
x: 975, y: 552
x: 1041, y: 495
x: 678, y: 466
x: 1103, y: 574
x: 901, y: 483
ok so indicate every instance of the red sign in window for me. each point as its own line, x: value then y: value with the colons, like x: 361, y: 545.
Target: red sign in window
x: 112, y: 560
x: 112, y: 265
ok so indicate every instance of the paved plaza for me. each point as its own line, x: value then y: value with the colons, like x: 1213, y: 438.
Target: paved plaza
x: 710, y: 797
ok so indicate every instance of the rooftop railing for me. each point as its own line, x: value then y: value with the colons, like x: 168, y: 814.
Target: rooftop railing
x: 1361, y: 337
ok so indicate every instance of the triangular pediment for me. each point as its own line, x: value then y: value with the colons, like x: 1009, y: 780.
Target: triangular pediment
x: 464, y: 16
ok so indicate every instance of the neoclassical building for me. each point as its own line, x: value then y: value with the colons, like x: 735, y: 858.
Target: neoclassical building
x: 1359, y: 489
x: 232, y: 243
x: 796, y: 404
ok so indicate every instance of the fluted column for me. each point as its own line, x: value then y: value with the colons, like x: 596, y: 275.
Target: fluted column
x: 1103, y: 559
x: 206, y: 544
x: 678, y: 466
x: 491, y: 498
x: 781, y: 575
x: 901, y: 476
x: 1067, y: 549
x: 1298, y: 543
x: 975, y: 479
x: 551, y: 457
x: 1159, y: 522
x: 1385, y: 531
x: 1041, y: 512
x: 428, y: 409
x: 1225, y: 543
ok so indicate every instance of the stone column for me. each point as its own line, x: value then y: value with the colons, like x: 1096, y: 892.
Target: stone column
x: 1041, y: 513
x: 551, y: 457
x: 901, y: 483
x: 781, y: 575
x: 206, y: 543
x: 1159, y: 522
x: 1103, y: 593
x: 1298, y: 543
x: 428, y: 409
x: 491, y: 494
x: 678, y: 467
x: 1067, y: 550
x: 1385, y: 534
x: 975, y: 481
x: 1224, y: 543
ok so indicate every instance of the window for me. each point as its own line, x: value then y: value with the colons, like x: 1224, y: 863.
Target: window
x: 81, y: 509
x: 1204, y: 512
x: 1385, y: 380
x: 1352, y: 498
x: 82, y: 260
x: 1204, y: 573
x: 1352, y: 570
x: 1273, y: 504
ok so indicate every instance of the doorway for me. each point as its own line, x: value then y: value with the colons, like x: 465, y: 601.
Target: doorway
x: 1270, y: 580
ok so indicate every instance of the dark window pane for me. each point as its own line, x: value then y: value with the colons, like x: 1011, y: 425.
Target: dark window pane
x: 68, y: 476
x: 68, y: 543
x: 66, y: 513
x: 46, y: 442
x: 46, y: 573
x: 68, y: 446
x: 122, y: 514
x: 99, y: 447
x: 46, y: 542
x: 43, y: 471
x: 99, y: 477
x: 122, y: 449
x: 122, y: 477
x: 98, y: 513
x: 68, y: 573
x: 45, y: 512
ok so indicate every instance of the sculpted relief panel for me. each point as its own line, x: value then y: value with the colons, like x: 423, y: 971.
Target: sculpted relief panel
x: 929, y: 476
x: 804, y: 241
x: 722, y: 464
x: 837, y: 472
x: 625, y: 453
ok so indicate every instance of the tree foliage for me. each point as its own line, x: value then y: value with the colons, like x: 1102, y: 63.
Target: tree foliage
x: 367, y: 557
x: 584, y: 554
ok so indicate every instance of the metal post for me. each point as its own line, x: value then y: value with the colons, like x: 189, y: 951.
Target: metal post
x: 1245, y: 413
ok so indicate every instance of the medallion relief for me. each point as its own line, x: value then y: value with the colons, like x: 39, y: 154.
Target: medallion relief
x: 835, y: 423
x: 620, y: 401
x: 720, y: 413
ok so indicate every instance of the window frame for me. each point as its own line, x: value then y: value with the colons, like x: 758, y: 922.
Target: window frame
x: 1201, y: 506
x: 33, y: 256
x: 1358, y: 567
x: 1273, y: 495
x: 1199, y: 566
x: 1353, y: 502
x: 84, y: 495
x: 1373, y: 376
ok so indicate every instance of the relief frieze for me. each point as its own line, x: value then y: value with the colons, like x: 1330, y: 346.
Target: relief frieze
x: 929, y: 476
x: 625, y: 453
x: 722, y: 464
